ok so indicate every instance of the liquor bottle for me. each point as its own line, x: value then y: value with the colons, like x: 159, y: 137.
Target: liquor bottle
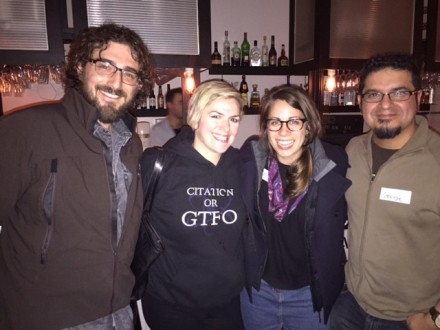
x: 334, y: 96
x: 341, y: 88
x: 152, y: 99
x: 245, y: 49
x: 264, y: 53
x: 160, y: 98
x: 272, y: 52
x: 236, y: 54
x: 255, y: 97
x: 266, y: 93
x: 283, y: 60
x: 244, y: 90
x: 216, y: 59
x: 255, y: 55
x: 168, y: 90
x: 226, y: 51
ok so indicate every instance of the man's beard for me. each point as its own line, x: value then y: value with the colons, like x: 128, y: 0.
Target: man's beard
x: 387, y: 132
x: 108, y: 113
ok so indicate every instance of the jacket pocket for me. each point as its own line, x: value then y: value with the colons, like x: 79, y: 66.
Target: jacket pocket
x: 48, y: 206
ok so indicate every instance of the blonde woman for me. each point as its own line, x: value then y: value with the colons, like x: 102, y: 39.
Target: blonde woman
x: 199, y: 215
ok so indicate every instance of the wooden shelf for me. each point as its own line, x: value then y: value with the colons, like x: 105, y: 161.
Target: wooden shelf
x: 149, y: 112
x: 251, y: 70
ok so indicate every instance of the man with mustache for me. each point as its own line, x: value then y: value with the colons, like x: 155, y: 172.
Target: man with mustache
x: 71, y: 197
x: 393, y: 268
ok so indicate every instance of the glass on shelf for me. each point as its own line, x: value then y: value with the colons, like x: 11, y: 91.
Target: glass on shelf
x: 15, y: 79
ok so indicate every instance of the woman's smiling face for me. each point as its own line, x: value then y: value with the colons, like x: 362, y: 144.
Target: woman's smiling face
x: 286, y: 143
x: 217, y: 128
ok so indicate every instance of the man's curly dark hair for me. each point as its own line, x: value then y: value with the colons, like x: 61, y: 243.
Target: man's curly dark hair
x: 92, y: 38
x: 396, y: 61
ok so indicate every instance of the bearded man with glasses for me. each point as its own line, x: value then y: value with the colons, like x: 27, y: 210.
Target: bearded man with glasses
x: 71, y: 197
x: 393, y: 272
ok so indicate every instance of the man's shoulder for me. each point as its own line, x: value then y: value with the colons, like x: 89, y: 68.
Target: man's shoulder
x: 433, y: 144
x: 355, y: 143
x: 161, y: 124
x: 35, y: 115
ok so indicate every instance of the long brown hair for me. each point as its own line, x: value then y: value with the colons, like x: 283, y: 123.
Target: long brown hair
x: 299, y: 174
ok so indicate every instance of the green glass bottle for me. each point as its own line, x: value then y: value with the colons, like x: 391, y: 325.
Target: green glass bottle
x: 245, y: 49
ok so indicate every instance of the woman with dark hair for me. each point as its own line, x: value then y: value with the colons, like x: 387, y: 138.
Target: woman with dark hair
x: 293, y: 185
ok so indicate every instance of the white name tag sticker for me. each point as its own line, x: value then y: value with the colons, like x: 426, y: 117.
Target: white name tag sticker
x: 395, y: 195
x: 265, y: 175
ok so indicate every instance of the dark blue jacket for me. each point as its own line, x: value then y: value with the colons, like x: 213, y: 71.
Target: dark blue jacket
x: 324, y: 223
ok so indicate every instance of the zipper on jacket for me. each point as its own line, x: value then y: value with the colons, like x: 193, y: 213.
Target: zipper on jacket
x: 48, y: 201
x: 366, y: 215
x: 315, y: 288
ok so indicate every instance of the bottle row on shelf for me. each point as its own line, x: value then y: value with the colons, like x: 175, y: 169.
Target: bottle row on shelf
x: 254, y: 100
x: 152, y: 102
x: 430, y: 87
x: 341, y: 87
x: 244, y: 55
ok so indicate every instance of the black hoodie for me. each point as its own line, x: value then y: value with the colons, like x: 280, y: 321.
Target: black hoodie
x: 199, y: 215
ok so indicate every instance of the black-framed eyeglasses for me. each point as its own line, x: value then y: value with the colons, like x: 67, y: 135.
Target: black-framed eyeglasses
x: 397, y: 95
x: 293, y: 124
x: 105, y: 68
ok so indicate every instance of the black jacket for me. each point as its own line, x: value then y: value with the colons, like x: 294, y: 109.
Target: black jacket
x: 324, y: 223
x: 199, y: 215
x: 58, y: 266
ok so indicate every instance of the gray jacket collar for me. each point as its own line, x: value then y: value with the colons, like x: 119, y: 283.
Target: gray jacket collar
x: 321, y: 163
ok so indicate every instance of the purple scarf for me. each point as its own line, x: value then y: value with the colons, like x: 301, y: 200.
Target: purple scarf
x: 278, y: 203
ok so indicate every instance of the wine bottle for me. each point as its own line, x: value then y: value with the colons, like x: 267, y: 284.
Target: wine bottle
x: 236, y: 54
x: 272, y: 52
x: 216, y: 59
x: 226, y: 51
x: 283, y: 59
x: 244, y: 90
x: 168, y: 89
x: 152, y: 99
x: 245, y: 49
x: 264, y: 53
x: 255, y: 97
x: 255, y: 55
x: 160, y: 98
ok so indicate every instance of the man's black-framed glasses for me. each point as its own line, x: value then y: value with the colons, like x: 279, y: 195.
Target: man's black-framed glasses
x: 397, y: 95
x: 105, y: 68
x: 293, y: 124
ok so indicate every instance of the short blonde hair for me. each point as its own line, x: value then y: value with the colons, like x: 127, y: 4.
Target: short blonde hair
x: 206, y: 93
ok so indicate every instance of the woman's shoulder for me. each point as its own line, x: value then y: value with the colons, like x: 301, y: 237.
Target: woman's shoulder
x: 250, y: 146
x: 149, y: 155
x: 335, y: 153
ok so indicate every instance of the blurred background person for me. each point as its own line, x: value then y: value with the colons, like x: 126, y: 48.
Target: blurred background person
x: 171, y: 125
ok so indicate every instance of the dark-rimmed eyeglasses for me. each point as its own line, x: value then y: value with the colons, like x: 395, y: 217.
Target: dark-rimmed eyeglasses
x: 398, y: 95
x: 293, y: 124
x: 105, y: 68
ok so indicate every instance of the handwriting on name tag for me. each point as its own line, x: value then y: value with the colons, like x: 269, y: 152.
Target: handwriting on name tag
x: 395, y: 195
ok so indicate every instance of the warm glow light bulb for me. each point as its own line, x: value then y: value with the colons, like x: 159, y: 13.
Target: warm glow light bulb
x: 190, y: 83
x: 330, y: 83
